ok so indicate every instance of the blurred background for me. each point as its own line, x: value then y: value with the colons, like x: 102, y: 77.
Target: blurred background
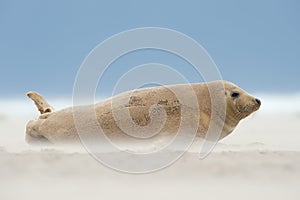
x: 255, y: 44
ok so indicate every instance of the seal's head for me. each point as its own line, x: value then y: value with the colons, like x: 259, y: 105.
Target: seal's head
x: 239, y: 102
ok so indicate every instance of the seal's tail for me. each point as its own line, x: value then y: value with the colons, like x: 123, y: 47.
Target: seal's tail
x: 40, y: 102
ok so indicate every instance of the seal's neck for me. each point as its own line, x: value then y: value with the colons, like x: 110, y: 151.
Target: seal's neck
x: 229, y: 125
x: 232, y: 116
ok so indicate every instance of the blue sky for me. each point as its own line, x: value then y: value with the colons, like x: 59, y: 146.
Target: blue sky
x: 254, y: 43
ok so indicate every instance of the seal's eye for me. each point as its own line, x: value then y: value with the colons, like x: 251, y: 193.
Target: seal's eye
x: 235, y: 95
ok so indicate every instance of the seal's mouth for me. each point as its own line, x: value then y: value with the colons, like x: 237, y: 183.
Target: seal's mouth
x: 246, y: 110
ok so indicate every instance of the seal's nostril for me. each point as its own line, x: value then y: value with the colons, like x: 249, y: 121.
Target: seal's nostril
x: 258, y: 101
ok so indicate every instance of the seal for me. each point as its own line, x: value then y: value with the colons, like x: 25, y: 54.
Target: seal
x: 158, y: 109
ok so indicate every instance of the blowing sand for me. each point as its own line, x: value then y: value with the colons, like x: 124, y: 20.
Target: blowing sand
x: 260, y: 160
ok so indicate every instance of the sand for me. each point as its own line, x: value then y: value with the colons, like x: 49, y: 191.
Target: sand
x: 260, y: 160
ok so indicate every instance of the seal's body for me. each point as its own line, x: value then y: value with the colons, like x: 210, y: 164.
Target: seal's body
x: 149, y: 108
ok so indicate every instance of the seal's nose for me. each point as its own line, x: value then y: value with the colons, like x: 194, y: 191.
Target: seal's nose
x: 258, y: 101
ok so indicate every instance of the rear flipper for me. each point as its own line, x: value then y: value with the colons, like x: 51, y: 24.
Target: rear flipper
x: 32, y: 136
x: 38, y: 140
x: 40, y: 102
x: 32, y: 129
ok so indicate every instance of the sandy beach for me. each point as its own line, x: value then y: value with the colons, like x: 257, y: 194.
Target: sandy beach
x: 260, y: 160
